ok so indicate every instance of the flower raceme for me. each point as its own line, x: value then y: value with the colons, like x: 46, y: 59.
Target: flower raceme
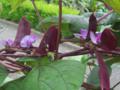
x: 95, y: 38
x: 105, y: 40
x: 23, y: 38
x: 26, y: 42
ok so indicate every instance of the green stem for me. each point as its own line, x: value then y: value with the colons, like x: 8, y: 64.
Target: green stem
x: 36, y: 10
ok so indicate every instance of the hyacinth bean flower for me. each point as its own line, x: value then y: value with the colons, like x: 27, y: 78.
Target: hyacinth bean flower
x: 8, y: 42
x: 106, y: 39
x: 95, y: 38
x: 27, y: 41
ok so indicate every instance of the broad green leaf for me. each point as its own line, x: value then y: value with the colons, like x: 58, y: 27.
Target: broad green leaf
x: 36, y: 61
x: 59, y: 75
x: 3, y: 74
x: 117, y: 34
x: 113, y: 60
x: 81, y: 58
x: 115, y: 4
x: 93, y: 77
x: 26, y: 59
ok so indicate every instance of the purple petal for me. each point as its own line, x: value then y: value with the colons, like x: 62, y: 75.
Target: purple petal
x: 93, y: 38
x: 8, y: 42
x: 83, y: 33
x: 98, y: 36
x: 27, y: 41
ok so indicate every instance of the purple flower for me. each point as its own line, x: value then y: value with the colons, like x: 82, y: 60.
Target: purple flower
x: 95, y: 37
x: 27, y: 41
x: 7, y: 43
x: 82, y: 34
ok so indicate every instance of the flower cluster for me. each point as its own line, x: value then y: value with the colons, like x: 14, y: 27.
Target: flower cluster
x: 95, y: 43
x: 105, y: 42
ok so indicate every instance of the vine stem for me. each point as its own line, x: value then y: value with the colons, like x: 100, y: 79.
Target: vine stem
x: 19, y: 55
x: 88, y: 86
x: 74, y: 53
x: 36, y: 10
x: 104, y: 16
x: 14, y: 65
x: 108, y: 52
x: 59, y: 28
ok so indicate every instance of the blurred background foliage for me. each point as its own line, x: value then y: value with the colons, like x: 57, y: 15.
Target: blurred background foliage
x: 75, y: 13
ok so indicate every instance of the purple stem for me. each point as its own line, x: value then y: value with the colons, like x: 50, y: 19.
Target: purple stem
x: 104, y: 16
x: 74, y: 53
x: 108, y: 52
x: 20, y: 55
x: 59, y: 28
x: 36, y: 10
x: 16, y: 64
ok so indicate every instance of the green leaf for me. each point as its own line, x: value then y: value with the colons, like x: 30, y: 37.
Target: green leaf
x: 3, y: 74
x: 93, y: 77
x: 117, y: 34
x: 59, y: 75
x: 113, y: 60
x: 26, y: 59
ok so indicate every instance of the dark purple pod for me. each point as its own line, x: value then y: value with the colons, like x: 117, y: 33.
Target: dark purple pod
x: 49, y: 41
x: 108, y: 39
x: 103, y: 73
x: 23, y: 30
